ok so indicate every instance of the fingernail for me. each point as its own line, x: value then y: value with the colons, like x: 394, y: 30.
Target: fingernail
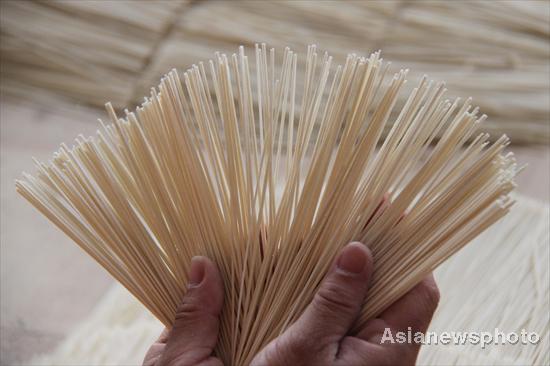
x: 353, y: 258
x: 196, y: 272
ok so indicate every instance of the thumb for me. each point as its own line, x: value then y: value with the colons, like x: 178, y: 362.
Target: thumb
x: 338, y: 301
x: 195, y: 331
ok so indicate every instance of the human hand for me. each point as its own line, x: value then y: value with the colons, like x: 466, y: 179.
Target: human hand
x: 320, y: 335
x: 192, y: 338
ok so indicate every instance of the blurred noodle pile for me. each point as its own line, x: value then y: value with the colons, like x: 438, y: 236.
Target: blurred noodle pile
x: 98, y: 51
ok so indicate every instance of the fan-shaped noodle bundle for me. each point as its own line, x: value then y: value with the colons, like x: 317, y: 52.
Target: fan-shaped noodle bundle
x: 270, y: 182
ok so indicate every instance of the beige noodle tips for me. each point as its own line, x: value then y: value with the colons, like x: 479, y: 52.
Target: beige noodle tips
x: 231, y: 161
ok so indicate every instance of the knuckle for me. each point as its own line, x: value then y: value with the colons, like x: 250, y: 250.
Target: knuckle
x: 333, y: 298
x: 430, y: 296
x: 374, y: 327
x: 284, y: 352
x: 188, y: 309
x: 304, y: 344
x: 377, y: 324
x: 297, y: 344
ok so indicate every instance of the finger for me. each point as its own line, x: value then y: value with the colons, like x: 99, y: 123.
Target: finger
x: 163, y: 336
x: 355, y: 351
x: 338, y: 300
x: 373, y: 330
x: 153, y: 354
x: 195, y: 331
x: 415, y: 309
x: 212, y: 361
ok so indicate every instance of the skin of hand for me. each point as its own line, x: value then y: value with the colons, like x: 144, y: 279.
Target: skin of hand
x: 194, y: 334
x: 319, y: 337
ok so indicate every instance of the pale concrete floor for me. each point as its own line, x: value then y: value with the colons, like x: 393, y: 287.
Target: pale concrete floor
x: 48, y: 284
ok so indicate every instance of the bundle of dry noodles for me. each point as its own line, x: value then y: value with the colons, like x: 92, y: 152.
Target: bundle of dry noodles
x: 272, y: 190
